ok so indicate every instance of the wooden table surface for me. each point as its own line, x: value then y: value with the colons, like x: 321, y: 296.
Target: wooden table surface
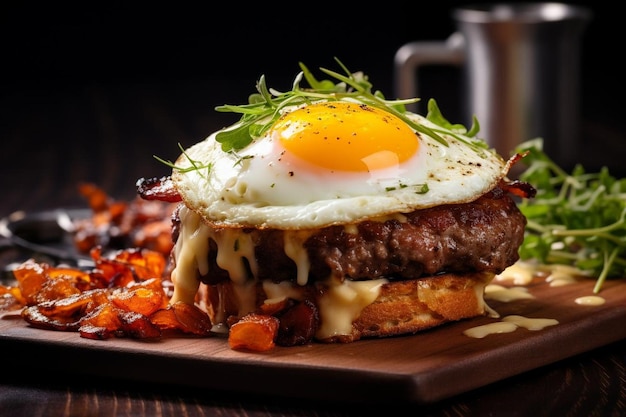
x: 54, y: 138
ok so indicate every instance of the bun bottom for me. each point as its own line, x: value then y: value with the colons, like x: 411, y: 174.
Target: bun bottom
x: 400, y: 308
x: 407, y: 307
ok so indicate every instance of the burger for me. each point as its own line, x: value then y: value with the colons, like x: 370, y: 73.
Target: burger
x: 339, y: 215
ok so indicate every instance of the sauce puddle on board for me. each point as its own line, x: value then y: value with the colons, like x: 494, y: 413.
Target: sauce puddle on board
x: 521, y: 274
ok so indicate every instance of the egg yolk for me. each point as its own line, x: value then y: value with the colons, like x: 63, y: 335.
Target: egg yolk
x: 346, y: 136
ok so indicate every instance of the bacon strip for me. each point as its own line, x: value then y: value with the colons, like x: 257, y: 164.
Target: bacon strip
x: 158, y: 189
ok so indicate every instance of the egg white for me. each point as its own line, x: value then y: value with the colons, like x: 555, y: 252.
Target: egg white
x: 255, y: 188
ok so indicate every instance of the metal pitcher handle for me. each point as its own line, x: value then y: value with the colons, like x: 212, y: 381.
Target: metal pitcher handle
x: 410, y: 56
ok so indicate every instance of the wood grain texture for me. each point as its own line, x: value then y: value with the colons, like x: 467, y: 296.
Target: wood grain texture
x: 421, y: 369
x: 591, y: 384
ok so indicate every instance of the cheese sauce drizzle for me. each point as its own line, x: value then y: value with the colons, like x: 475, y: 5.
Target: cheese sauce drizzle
x: 522, y: 273
x: 590, y: 300
x: 510, y: 324
x: 504, y: 294
x: 340, y: 304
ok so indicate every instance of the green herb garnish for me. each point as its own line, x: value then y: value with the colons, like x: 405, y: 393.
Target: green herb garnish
x: 264, y: 107
x: 195, y: 165
x: 576, y: 218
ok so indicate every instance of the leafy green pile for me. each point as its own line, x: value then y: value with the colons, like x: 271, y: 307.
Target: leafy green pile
x: 576, y: 218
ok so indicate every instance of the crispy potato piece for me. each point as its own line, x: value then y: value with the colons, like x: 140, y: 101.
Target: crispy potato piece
x: 138, y: 326
x: 108, y: 321
x: 127, y: 266
x: 254, y: 332
x: 64, y: 313
x: 30, y: 276
x: 101, y: 323
x: 11, y: 299
x: 120, y: 224
x: 192, y: 319
x: 143, y: 298
x: 118, y: 297
x: 183, y: 317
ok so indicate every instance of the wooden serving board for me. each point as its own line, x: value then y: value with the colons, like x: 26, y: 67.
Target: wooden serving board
x: 423, y: 368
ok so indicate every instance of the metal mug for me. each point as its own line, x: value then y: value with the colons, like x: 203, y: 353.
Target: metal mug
x: 521, y: 66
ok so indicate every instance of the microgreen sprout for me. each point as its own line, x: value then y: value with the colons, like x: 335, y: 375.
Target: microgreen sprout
x: 195, y: 165
x: 576, y: 218
x: 264, y: 108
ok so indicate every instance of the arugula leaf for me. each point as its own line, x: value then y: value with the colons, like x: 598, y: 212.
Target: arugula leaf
x: 576, y: 218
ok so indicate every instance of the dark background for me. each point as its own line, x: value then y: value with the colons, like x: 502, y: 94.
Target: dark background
x: 139, y: 79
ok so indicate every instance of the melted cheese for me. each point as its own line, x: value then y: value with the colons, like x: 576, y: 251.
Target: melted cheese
x: 504, y: 294
x: 509, y: 324
x: 479, y: 332
x: 557, y: 275
x: 340, y: 303
x: 234, y: 246
x: 561, y: 275
x: 190, y: 253
x: 520, y: 273
x: 590, y: 300
x: 530, y: 323
x: 523, y: 273
x: 294, y: 248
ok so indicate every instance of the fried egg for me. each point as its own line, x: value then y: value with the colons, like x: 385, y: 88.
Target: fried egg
x: 333, y: 162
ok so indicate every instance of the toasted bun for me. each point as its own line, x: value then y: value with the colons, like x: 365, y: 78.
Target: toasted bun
x: 400, y: 308
x: 411, y: 306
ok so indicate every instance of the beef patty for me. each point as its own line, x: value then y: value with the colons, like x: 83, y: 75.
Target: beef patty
x: 480, y: 236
